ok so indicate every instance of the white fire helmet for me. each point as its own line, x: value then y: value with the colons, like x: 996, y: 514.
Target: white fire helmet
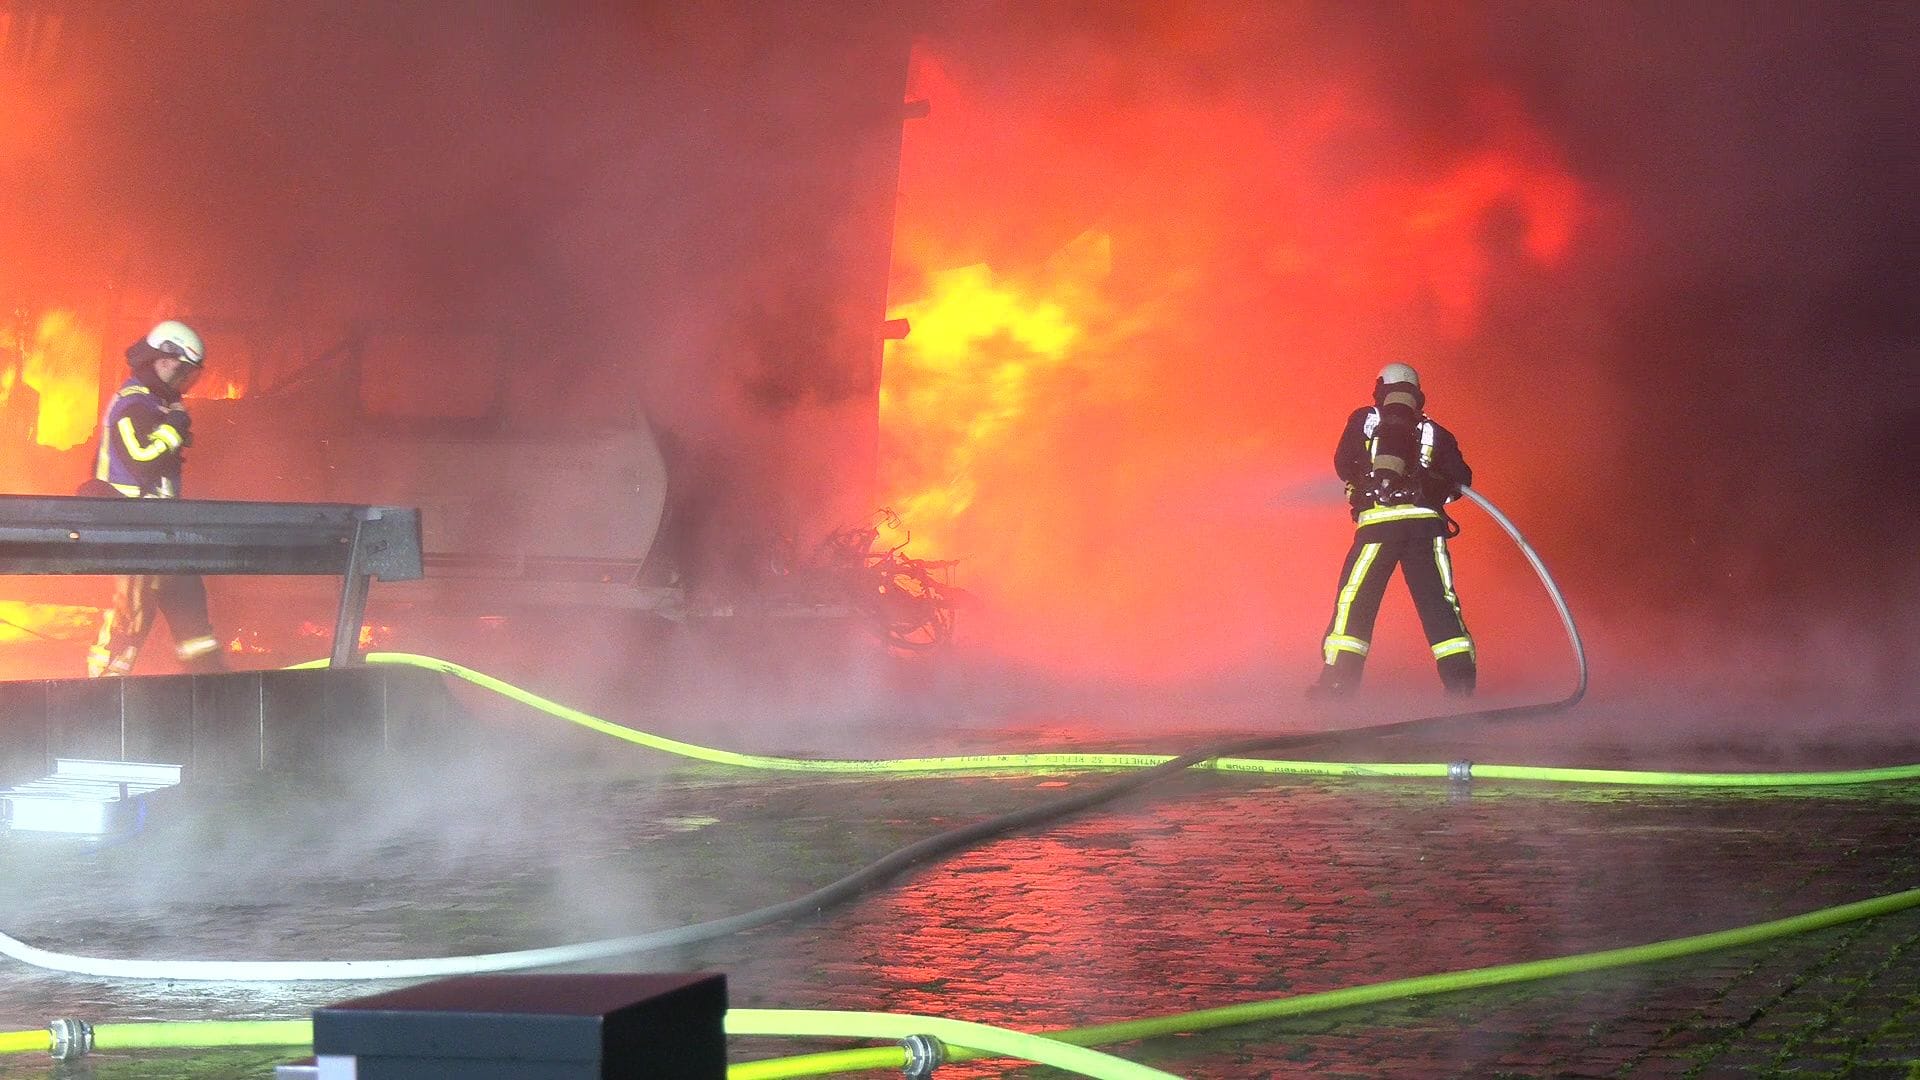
x: 178, y: 339
x: 1399, y: 373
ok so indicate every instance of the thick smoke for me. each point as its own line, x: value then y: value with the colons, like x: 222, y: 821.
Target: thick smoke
x: 1656, y: 262
x: 1694, y: 407
x: 679, y: 214
x: 1761, y: 314
x: 554, y: 219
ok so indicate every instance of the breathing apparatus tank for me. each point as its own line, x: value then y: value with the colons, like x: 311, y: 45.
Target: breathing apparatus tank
x: 1395, y: 480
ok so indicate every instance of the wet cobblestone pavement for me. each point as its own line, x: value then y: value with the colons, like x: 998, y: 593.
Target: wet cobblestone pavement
x: 1199, y: 891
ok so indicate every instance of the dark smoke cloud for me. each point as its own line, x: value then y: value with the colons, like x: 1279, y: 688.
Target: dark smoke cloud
x: 604, y: 176
x: 678, y: 211
x: 1764, y: 318
x: 1748, y: 299
x: 642, y: 199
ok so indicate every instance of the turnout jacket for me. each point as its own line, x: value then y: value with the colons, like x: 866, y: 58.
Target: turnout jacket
x: 1441, y: 473
x: 141, y: 437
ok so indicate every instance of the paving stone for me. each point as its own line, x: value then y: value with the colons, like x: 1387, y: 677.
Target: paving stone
x: 1217, y: 890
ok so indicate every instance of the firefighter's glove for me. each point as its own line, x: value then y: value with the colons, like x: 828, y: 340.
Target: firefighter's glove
x: 183, y: 423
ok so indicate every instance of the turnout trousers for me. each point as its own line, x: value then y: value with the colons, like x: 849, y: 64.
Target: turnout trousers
x: 1421, y: 554
x: 138, y: 601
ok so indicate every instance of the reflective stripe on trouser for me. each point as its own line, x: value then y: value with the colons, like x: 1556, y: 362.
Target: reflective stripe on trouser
x: 1428, y: 569
x: 1353, y: 579
x: 101, y: 659
x: 138, y: 601
x: 196, y: 647
x: 1430, y: 580
x: 1381, y: 515
x: 1462, y: 641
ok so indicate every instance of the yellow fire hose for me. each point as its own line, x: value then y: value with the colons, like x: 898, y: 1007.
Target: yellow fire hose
x: 976, y: 1041
x: 1061, y: 762
x: 968, y: 1041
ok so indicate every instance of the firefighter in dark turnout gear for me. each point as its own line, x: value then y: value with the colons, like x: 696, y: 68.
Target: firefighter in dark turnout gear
x: 1401, y: 469
x: 142, y: 435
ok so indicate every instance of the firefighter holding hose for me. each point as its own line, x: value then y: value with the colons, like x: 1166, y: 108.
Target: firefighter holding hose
x: 142, y: 438
x: 1401, y: 469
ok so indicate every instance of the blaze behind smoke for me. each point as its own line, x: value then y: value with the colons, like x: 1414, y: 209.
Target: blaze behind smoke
x: 1103, y: 423
x: 62, y: 365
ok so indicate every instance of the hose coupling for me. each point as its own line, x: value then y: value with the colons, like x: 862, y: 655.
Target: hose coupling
x: 1460, y: 772
x: 71, y: 1038
x: 925, y: 1053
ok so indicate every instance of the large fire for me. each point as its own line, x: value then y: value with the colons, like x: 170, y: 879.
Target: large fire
x: 49, y: 380
x: 26, y: 621
x: 982, y: 350
x: 62, y: 364
x: 51, y: 367
x: 49, y: 399
x: 1105, y: 428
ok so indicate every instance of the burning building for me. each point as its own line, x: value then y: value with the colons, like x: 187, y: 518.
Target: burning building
x: 1138, y: 259
x: 587, y: 286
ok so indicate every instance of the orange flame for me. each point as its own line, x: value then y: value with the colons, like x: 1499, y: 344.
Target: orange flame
x: 372, y: 635
x: 62, y: 364
x: 25, y: 621
x: 1098, y: 430
x: 250, y: 641
x: 1434, y: 244
x: 960, y: 386
x: 224, y: 389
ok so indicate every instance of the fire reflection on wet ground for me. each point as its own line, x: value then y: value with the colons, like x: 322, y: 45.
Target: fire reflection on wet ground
x: 1204, y: 890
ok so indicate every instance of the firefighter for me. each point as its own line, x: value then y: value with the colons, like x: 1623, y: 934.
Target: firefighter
x: 1401, y: 469
x: 142, y: 436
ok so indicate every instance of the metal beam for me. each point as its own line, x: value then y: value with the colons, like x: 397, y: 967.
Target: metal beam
x: 61, y: 534
x: 64, y: 534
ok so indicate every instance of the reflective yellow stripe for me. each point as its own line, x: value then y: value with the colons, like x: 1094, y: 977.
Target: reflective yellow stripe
x: 1443, y: 562
x: 1395, y: 513
x: 1351, y: 588
x: 101, y: 663
x: 1339, y: 643
x: 100, y: 657
x: 146, y: 451
x: 1338, y: 640
x: 1426, y: 439
x: 195, y: 647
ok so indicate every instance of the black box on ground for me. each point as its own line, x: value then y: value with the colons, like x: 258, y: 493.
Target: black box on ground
x: 534, y: 1027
